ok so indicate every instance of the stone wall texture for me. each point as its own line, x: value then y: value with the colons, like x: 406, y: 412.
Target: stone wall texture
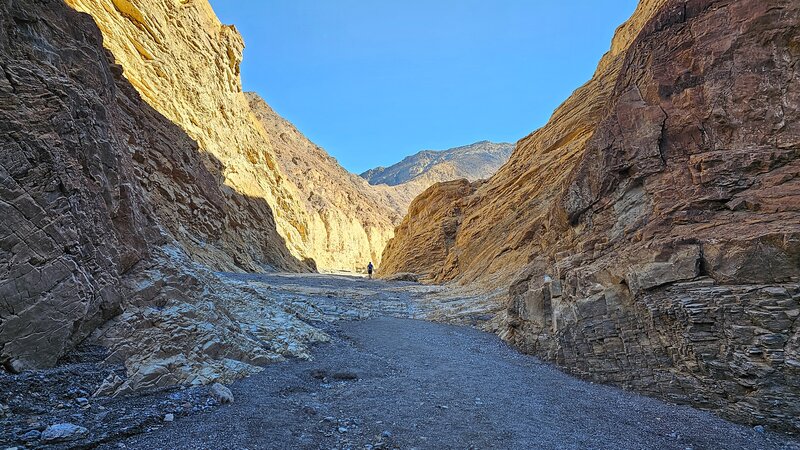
x: 185, y: 64
x: 650, y: 232
x: 102, y: 199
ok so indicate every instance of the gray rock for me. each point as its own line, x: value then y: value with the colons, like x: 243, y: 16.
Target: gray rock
x: 82, y: 401
x: 63, y: 432
x: 31, y: 436
x: 169, y: 417
x: 758, y: 429
x: 221, y: 393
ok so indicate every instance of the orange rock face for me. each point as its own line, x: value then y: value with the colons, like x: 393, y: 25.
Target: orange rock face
x: 419, y: 248
x: 650, y: 232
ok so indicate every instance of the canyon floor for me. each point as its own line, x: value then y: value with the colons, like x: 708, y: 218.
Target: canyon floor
x: 387, y: 379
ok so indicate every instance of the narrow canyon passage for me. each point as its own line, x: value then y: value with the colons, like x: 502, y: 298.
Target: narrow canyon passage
x: 387, y: 380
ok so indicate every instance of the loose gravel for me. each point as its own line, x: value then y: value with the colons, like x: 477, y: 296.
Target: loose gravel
x: 400, y: 383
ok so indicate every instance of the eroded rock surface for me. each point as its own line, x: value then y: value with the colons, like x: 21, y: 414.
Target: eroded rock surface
x: 185, y: 64
x: 104, y: 201
x: 349, y: 218
x: 649, y: 232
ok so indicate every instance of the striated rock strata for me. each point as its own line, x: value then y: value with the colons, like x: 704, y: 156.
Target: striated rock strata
x: 650, y: 232
x: 419, y: 247
x: 349, y: 218
x: 103, y: 199
x: 185, y: 64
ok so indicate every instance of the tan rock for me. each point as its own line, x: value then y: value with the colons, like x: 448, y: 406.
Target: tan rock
x: 350, y: 221
x: 185, y: 64
x: 662, y: 197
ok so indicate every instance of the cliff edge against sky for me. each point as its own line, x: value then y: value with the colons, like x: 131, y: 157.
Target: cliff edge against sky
x: 649, y: 232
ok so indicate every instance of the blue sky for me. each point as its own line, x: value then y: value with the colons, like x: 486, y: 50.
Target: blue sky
x: 374, y: 81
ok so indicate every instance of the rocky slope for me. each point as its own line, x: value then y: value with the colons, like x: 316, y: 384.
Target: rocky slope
x: 649, y: 232
x: 104, y: 201
x: 404, y: 181
x: 473, y: 162
x: 349, y: 218
x: 185, y: 64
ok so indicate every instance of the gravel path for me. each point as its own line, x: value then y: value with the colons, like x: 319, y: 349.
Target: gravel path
x: 400, y: 383
x: 386, y: 380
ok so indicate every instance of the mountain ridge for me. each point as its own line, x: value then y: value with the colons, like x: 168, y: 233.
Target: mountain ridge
x: 472, y: 162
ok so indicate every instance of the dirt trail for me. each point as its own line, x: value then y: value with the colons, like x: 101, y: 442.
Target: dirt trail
x: 393, y: 382
x: 386, y: 380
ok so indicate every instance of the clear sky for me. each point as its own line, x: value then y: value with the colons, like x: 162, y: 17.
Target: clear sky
x: 373, y: 81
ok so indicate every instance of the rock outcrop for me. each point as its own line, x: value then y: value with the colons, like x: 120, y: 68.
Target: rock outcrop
x: 350, y: 219
x: 104, y: 199
x: 419, y: 247
x: 650, y: 232
x: 185, y: 64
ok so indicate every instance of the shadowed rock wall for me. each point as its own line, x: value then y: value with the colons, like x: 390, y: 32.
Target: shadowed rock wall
x: 93, y: 184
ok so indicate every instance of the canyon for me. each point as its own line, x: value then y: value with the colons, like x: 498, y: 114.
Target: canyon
x: 162, y: 230
x: 649, y: 232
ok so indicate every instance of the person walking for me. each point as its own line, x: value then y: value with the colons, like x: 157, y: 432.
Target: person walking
x: 370, y: 267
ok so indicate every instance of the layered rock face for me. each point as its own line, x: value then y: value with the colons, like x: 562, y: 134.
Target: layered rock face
x: 652, y: 227
x: 103, y: 198
x: 350, y: 219
x: 185, y: 64
x: 418, y: 247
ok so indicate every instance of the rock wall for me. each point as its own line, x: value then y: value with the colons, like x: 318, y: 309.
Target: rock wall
x: 185, y: 64
x: 651, y: 228
x: 102, y: 199
x: 417, y: 247
x: 350, y: 219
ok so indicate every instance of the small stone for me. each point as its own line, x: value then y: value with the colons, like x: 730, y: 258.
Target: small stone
x: 344, y: 376
x: 169, y: 417
x: 758, y: 429
x: 63, y: 432
x: 310, y: 410
x: 82, y: 401
x: 386, y: 434
x: 342, y: 429
x: 221, y: 393
x: 32, y: 435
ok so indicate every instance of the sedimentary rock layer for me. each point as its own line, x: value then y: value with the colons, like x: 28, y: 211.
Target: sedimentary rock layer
x: 348, y: 218
x: 185, y: 64
x: 101, y: 198
x: 420, y: 246
x: 652, y: 227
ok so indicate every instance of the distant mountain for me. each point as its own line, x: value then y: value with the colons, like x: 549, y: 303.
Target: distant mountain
x: 473, y: 162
